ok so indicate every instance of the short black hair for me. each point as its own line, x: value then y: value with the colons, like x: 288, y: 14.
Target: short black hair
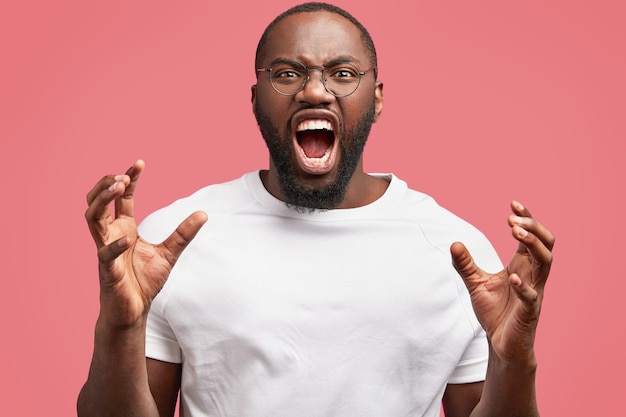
x: 316, y: 7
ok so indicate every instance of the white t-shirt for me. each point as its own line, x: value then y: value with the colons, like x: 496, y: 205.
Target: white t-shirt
x: 355, y: 312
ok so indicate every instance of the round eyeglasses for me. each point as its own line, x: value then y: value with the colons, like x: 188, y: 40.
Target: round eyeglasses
x: 289, y: 77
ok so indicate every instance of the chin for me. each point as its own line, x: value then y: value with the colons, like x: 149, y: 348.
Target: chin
x: 306, y: 189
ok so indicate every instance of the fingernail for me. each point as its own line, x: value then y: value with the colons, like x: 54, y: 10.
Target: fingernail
x: 119, y: 178
x: 522, y: 232
x: 517, y: 220
x: 519, y: 205
x: 113, y: 187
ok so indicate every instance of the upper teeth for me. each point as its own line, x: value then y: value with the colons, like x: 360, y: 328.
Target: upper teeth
x: 314, y: 125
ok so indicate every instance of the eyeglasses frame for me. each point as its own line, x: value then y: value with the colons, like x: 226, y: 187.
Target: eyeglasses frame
x: 306, y: 80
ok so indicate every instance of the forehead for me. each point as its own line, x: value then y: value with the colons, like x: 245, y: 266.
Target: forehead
x: 315, y: 38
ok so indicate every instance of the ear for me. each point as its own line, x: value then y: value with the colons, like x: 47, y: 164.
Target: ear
x: 253, y: 97
x: 378, y: 100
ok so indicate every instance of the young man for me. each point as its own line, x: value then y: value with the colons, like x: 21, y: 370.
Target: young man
x: 311, y: 288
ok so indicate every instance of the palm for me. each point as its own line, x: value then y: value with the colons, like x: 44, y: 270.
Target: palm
x: 135, y: 277
x: 508, y: 303
x: 132, y: 270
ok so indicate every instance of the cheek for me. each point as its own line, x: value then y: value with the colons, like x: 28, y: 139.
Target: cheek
x: 354, y: 110
x: 271, y: 103
x: 272, y: 117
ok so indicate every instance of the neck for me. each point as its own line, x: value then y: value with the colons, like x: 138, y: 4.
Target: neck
x: 362, y: 189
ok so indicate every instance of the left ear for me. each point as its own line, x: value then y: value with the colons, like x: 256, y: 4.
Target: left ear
x: 378, y: 100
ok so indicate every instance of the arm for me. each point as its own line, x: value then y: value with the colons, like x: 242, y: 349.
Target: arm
x: 460, y: 399
x: 132, y: 272
x: 507, y: 305
x: 164, y: 379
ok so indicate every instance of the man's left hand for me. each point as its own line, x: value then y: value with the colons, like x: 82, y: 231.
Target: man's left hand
x: 508, y: 303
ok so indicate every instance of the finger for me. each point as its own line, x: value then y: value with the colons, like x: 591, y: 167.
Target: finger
x: 540, y: 255
x: 182, y: 236
x: 533, y: 237
x: 125, y: 205
x: 108, y: 253
x: 524, y: 219
x: 527, y: 295
x: 97, y: 214
x: 102, y: 185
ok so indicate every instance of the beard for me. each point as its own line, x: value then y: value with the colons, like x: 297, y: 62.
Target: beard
x: 302, y: 197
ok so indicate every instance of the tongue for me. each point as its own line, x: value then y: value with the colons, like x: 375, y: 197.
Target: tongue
x: 314, y: 143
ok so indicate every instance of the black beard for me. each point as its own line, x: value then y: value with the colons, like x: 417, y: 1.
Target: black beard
x: 304, y: 198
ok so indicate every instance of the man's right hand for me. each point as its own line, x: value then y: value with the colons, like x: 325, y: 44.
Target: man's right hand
x: 132, y: 270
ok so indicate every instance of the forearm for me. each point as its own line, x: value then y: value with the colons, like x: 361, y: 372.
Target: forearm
x: 118, y: 380
x: 509, y: 389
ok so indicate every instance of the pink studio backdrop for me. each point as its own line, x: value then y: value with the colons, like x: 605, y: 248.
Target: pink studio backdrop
x: 484, y: 102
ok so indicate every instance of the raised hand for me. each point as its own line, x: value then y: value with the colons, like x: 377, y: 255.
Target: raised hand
x: 132, y: 270
x: 508, y: 303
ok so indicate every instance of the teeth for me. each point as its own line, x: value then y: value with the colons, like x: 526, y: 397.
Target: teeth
x: 314, y: 125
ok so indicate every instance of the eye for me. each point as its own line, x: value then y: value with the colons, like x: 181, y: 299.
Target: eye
x: 344, y: 73
x: 287, y: 74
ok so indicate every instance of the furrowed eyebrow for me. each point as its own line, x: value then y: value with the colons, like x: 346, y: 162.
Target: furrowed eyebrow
x: 343, y: 59
x: 284, y: 61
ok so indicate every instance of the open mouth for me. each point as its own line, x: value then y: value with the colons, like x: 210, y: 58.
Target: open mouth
x: 315, y: 139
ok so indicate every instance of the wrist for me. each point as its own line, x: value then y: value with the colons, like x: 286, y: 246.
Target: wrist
x: 112, y: 325
x: 509, y: 385
x: 518, y: 368
x: 519, y: 354
x: 122, y: 314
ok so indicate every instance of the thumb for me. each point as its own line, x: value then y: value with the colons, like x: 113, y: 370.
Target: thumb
x: 182, y: 236
x: 464, y: 263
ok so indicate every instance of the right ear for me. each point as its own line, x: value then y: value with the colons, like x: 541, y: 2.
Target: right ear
x: 253, y: 97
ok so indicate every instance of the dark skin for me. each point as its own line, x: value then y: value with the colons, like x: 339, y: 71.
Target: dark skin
x: 132, y: 271
x: 316, y: 42
x: 123, y: 382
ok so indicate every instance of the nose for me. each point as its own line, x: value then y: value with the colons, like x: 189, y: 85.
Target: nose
x: 314, y: 91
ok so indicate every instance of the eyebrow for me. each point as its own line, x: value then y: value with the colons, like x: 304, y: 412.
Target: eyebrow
x: 284, y: 61
x: 342, y: 60
x: 338, y: 60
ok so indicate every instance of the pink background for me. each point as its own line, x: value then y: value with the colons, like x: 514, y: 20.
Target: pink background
x: 484, y: 102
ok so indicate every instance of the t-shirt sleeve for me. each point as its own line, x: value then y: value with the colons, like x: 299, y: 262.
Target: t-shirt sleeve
x: 472, y: 367
x: 473, y: 364
x: 161, y: 342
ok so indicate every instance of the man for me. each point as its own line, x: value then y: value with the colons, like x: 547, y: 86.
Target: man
x: 311, y: 288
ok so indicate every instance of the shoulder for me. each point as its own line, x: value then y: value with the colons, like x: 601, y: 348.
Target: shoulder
x: 216, y: 200
x: 441, y: 226
x: 423, y: 209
